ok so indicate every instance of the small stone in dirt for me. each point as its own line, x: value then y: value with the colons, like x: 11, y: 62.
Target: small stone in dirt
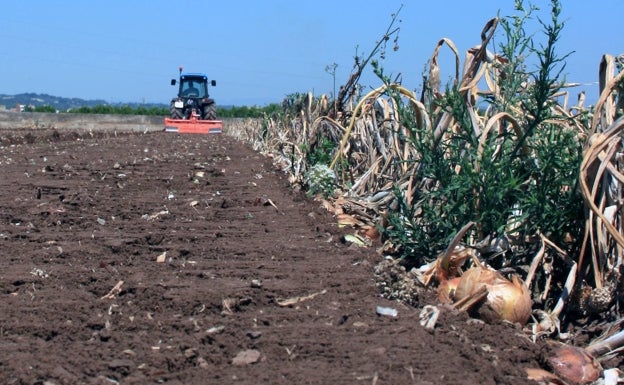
x: 129, y: 352
x: 246, y: 357
x: 64, y: 375
x: 121, y: 366
x: 190, y: 353
x: 202, y: 363
x: 161, y: 258
x: 254, y: 334
x: 379, y: 351
x: 105, y: 335
x: 256, y: 284
x: 215, y: 329
x: 388, y: 311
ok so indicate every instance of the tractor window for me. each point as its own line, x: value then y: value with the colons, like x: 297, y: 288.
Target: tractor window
x: 193, y: 89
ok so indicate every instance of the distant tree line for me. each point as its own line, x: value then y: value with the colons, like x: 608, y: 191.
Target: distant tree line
x: 227, y: 112
x: 39, y: 109
x: 120, y: 110
x: 104, y: 109
x: 248, y: 112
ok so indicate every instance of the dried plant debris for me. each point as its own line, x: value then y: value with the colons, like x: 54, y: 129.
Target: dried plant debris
x: 396, y: 283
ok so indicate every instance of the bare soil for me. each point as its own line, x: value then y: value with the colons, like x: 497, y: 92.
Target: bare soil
x: 162, y: 258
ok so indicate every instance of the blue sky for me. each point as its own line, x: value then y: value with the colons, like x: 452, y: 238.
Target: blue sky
x: 259, y: 51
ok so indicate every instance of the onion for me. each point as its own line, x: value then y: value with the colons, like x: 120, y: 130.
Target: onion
x: 446, y: 290
x: 493, y: 297
x: 573, y: 364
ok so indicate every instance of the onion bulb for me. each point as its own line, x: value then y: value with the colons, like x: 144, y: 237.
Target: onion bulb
x: 503, y: 299
x: 573, y: 364
x: 446, y: 290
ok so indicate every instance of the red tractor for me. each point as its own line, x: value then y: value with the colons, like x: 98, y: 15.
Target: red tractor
x: 193, y: 111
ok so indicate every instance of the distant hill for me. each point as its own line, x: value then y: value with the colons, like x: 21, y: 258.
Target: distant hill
x: 61, y: 103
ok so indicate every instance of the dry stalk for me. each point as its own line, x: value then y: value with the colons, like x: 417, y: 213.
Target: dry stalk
x: 597, y: 169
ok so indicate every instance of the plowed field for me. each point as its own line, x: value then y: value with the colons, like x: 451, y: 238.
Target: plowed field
x: 162, y: 258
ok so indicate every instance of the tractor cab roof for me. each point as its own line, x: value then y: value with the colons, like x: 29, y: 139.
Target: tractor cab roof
x: 193, y: 76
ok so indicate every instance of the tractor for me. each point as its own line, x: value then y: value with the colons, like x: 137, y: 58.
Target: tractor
x: 193, y: 111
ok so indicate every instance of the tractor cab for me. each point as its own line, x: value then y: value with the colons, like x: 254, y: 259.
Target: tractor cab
x: 193, y: 86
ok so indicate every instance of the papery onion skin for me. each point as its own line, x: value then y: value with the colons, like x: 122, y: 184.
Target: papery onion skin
x: 506, y: 300
x: 573, y: 364
x: 511, y: 300
x: 446, y: 290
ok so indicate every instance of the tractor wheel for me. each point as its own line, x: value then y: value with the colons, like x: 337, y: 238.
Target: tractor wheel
x: 175, y: 113
x: 210, y: 112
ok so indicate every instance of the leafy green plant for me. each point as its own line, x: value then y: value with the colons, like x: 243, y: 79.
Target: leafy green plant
x: 518, y: 181
x: 322, y: 152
